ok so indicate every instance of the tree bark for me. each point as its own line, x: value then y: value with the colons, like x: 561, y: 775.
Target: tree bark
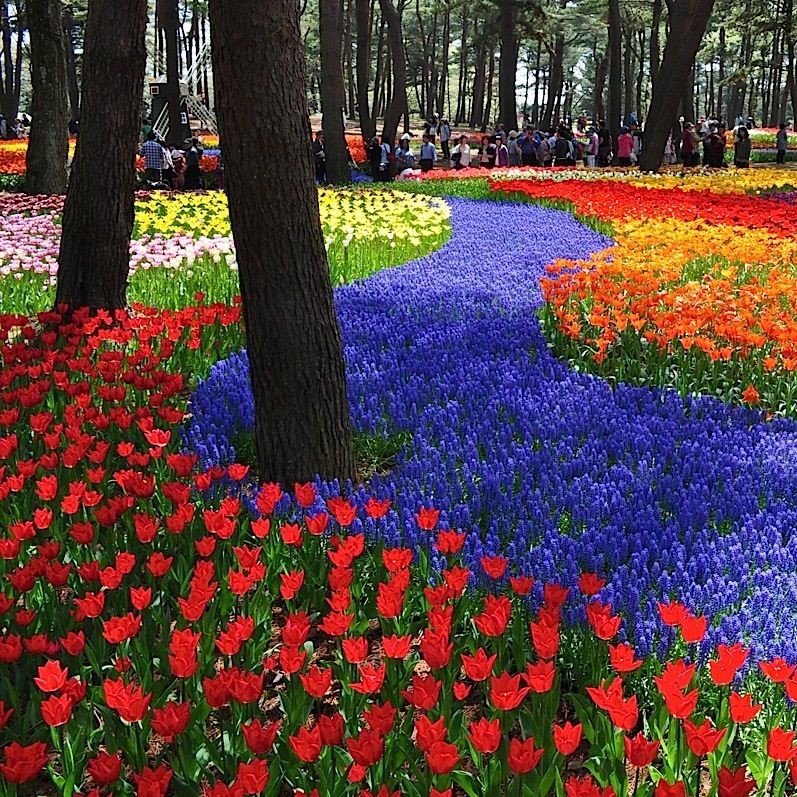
x: 48, y: 148
x: 507, y: 69
x: 169, y: 19
x: 601, y: 70
x: 615, y: 68
x: 98, y: 214
x: 10, y: 98
x: 479, y: 83
x: 398, y: 100
x: 73, y: 88
x: 367, y: 125
x: 628, y: 72
x: 688, y: 22
x: 330, y: 32
x: 555, y: 80
x: 655, y: 42
x: 462, y: 85
x: 293, y: 337
x: 488, y: 103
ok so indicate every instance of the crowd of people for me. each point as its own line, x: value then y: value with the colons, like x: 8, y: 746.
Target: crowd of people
x: 176, y: 167
x: 527, y: 147
x: 705, y: 143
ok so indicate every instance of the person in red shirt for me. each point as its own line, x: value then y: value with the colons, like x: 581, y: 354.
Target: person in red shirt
x: 689, y: 154
x: 625, y: 146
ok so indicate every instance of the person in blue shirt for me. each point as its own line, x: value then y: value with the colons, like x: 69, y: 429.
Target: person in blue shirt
x: 528, y: 142
x: 428, y: 154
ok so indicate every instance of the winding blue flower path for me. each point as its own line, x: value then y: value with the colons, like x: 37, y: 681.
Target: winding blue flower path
x: 667, y: 497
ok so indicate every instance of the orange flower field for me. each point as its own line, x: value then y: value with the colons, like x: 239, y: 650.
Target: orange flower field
x: 699, y: 292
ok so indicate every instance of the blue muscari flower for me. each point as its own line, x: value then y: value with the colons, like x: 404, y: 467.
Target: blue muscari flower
x: 667, y: 497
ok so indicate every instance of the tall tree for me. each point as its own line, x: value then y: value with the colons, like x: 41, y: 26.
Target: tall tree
x: 48, y: 147
x: 330, y: 31
x: 98, y: 214
x: 398, y: 100
x: 169, y: 20
x: 507, y: 69
x: 73, y: 87
x: 615, y: 68
x: 10, y: 23
x: 688, y: 20
x: 295, y: 350
x: 363, y: 12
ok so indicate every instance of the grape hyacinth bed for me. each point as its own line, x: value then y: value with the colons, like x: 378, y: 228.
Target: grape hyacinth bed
x: 668, y: 497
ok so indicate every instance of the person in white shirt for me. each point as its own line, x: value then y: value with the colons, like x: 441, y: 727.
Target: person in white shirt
x: 592, y: 147
x: 461, y: 154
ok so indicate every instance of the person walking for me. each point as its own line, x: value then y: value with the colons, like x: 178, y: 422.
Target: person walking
x: 782, y: 140
x: 689, y: 145
x: 461, y: 155
x: 564, y: 153
x: 742, y: 148
x: 716, y: 148
x: 405, y: 157
x: 444, y: 131
x: 592, y: 148
x: 625, y: 146
x: 152, y: 152
x: 428, y: 154
x: 320, y: 156
x: 501, y: 152
x: 193, y: 168
x: 486, y: 153
x: 528, y: 147
x: 515, y: 155
x: 604, y: 144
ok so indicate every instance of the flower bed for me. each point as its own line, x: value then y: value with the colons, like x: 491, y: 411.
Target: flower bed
x: 550, y: 467
x: 159, y: 637
x: 696, y: 295
x: 188, y: 236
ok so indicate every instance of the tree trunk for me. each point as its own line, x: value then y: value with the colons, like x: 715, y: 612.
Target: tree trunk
x: 380, y: 65
x: 507, y: 70
x: 330, y: 32
x: 348, y: 57
x: 628, y: 71
x: 721, y: 75
x: 655, y: 40
x: 688, y: 22
x: 442, y: 84
x: 479, y: 81
x: 615, y: 68
x: 293, y: 338
x: 555, y: 80
x: 488, y: 105
x: 602, y: 70
x: 73, y: 87
x: 48, y: 148
x: 535, y: 116
x: 10, y: 98
x: 462, y: 86
x: 367, y: 125
x: 168, y: 16
x: 398, y: 100
x: 98, y: 214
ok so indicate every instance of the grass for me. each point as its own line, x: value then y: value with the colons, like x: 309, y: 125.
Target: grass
x: 374, y: 454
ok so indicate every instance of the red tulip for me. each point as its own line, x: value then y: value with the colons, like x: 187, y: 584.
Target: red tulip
x: 567, y: 738
x: 523, y: 756
x: 485, y: 735
x: 639, y: 751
